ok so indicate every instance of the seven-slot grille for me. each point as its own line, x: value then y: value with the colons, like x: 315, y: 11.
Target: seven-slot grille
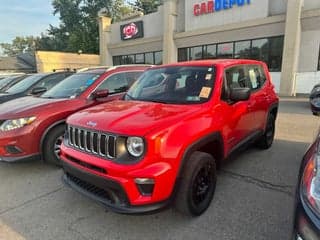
x: 96, y: 143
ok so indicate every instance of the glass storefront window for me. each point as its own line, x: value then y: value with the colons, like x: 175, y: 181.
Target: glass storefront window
x: 158, y: 58
x: 319, y: 59
x: 149, y: 59
x: 211, y: 51
x: 242, y: 49
x: 139, y: 58
x: 225, y: 50
x: 260, y: 49
x: 196, y: 53
x: 183, y: 54
x: 117, y: 60
x: 275, y: 57
x: 268, y: 50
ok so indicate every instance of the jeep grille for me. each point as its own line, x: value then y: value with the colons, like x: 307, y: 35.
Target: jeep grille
x: 96, y: 143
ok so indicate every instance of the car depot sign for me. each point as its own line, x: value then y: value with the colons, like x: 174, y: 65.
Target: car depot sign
x: 217, y: 5
x: 131, y: 30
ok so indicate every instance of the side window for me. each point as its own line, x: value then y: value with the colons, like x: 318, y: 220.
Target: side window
x: 50, y: 81
x: 132, y: 77
x: 236, y: 77
x: 256, y: 76
x: 115, y: 83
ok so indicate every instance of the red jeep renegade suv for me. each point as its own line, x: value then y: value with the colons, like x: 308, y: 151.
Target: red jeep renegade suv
x: 31, y: 127
x: 165, y: 139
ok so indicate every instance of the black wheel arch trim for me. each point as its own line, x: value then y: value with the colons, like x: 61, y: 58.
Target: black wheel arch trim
x: 216, y: 136
x: 43, y: 137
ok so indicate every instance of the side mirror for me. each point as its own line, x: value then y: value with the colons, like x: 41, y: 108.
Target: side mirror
x: 239, y: 94
x: 38, y: 90
x: 100, y: 94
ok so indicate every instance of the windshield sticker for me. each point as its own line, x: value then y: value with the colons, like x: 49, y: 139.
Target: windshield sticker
x: 208, y: 77
x: 210, y: 70
x: 89, y: 82
x: 205, y: 92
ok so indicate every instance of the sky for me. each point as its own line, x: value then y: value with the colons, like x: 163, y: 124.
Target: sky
x: 25, y: 18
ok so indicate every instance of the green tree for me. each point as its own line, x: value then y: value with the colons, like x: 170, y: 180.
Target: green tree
x: 147, y: 6
x: 20, y: 45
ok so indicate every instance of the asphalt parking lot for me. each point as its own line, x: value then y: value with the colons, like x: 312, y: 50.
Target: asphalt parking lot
x: 254, y: 198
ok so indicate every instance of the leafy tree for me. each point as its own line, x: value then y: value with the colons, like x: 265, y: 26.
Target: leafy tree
x: 78, y: 28
x: 20, y: 45
x: 147, y: 6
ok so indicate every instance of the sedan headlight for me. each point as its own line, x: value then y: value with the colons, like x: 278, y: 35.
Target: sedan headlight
x: 310, y: 184
x: 135, y: 146
x: 16, y: 123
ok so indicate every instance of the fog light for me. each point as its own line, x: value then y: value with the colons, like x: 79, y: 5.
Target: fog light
x: 13, y: 149
x: 145, y: 185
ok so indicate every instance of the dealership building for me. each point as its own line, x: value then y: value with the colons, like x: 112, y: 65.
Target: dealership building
x: 283, y: 33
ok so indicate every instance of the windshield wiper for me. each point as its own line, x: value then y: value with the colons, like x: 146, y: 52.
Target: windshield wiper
x: 132, y: 98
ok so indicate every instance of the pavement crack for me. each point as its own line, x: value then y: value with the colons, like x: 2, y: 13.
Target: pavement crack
x: 31, y: 200
x: 286, y: 189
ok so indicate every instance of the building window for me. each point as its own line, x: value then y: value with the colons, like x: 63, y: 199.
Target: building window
x: 319, y: 59
x: 275, y: 54
x: 158, y: 58
x: 139, y: 58
x: 268, y: 50
x: 211, y: 51
x: 242, y: 49
x: 260, y: 49
x: 225, y: 50
x: 196, y: 53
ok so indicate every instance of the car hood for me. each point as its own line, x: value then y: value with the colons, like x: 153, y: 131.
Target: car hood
x: 131, y: 117
x: 25, y: 106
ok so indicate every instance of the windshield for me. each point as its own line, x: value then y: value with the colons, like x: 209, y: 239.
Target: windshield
x: 24, y: 84
x: 72, y: 86
x: 5, y: 81
x: 177, y: 85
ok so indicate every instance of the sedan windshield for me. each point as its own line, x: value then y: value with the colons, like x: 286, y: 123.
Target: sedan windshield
x: 72, y: 86
x: 177, y: 85
x: 25, y: 84
x: 5, y: 81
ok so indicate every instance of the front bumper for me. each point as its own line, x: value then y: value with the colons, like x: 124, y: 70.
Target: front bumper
x: 305, y: 223
x: 105, y: 191
x: 19, y: 144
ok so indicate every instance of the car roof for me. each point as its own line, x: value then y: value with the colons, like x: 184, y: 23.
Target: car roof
x: 102, y: 69
x: 210, y: 62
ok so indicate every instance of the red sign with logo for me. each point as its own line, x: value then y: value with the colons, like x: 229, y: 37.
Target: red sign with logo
x: 131, y: 30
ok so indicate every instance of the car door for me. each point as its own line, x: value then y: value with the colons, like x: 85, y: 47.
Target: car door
x: 259, y: 98
x: 239, y: 115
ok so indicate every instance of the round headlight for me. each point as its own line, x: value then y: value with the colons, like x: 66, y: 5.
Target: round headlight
x: 135, y: 146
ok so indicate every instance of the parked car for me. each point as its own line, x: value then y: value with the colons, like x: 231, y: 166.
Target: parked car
x: 31, y: 126
x: 156, y: 146
x: 34, y: 84
x: 8, y: 82
x: 315, y: 100
x: 307, y: 214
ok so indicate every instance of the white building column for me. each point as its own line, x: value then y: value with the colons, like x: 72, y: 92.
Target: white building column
x: 291, y: 48
x: 104, y: 39
x: 169, y: 27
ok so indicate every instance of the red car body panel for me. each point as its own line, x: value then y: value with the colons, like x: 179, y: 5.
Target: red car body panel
x: 48, y: 112
x: 169, y: 130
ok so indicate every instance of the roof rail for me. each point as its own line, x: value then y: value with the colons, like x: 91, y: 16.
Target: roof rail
x: 63, y: 69
x: 92, y: 68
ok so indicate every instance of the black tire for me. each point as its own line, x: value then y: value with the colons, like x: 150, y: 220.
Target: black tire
x: 267, y: 138
x: 51, y: 145
x: 197, y: 184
